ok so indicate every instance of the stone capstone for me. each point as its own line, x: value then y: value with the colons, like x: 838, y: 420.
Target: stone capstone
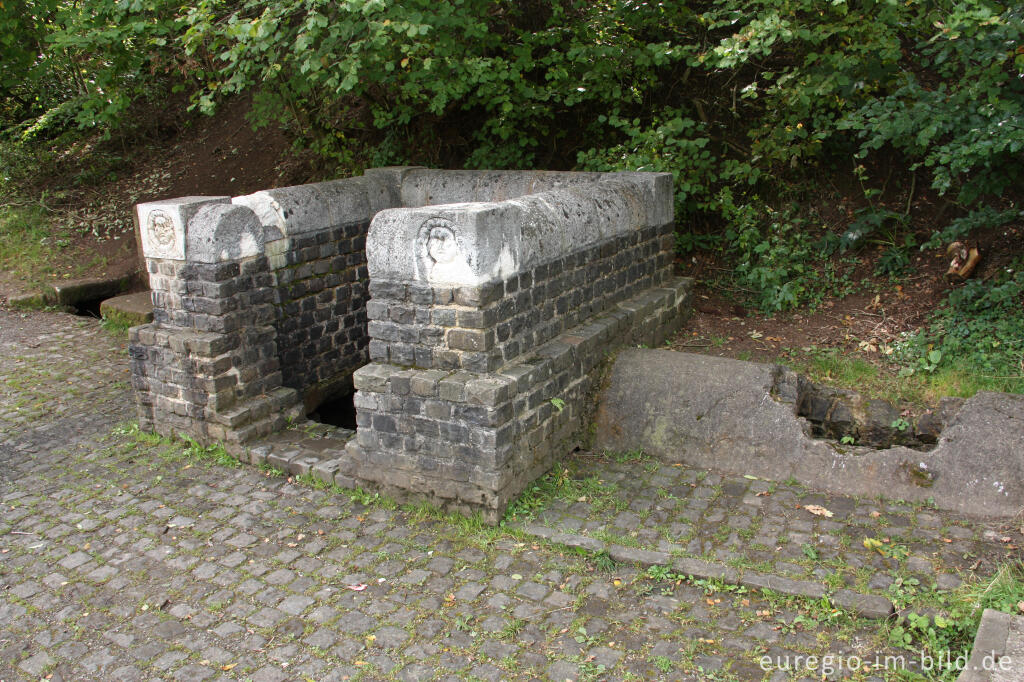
x: 162, y: 224
x: 471, y: 243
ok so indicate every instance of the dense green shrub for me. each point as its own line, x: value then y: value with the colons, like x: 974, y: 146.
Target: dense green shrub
x: 978, y: 329
x: 515, y: 80
x: 749, y: 103
x: 82, y: 64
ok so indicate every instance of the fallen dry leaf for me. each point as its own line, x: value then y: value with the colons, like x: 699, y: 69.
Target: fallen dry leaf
x: 818, y: 510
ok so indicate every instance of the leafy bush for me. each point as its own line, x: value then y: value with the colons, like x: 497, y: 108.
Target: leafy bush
x: 82, y: 64
x: 517, y: 79
x: 980, y: 326
x: 746, y: 102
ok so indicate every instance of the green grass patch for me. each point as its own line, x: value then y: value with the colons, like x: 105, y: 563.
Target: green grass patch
x: 117, y: 325
x: 35, y: 247
x: 956, y: 377
x: 950, y: 635
x: 565, y: 483
x: 27, y: 248
x: 975, y: 341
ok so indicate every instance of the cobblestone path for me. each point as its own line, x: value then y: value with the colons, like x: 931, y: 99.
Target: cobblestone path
x: 783, y: 529
x: 124, y: 557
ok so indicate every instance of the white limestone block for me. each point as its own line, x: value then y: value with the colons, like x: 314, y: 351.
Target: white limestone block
x: 223, y: 232
x: 455, y: 244
x: 162, y: 224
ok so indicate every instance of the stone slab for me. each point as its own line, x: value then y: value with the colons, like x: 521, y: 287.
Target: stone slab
x: 128, y: 309
x: 864, y: 605
x: 472, y: 241
x: 75, y: 291
x: 741, y: 417
x: 998, y: 651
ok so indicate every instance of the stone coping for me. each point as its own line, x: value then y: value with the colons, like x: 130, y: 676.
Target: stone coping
x: 470, y: 242
x: 429, y: 226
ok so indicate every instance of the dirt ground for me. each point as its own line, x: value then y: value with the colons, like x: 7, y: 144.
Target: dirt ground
x: 219, y: 155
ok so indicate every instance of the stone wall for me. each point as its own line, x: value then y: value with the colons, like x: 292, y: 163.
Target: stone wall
x: 485, y: 302
x: 475, y: 440
x: 258, y: 300
x: 316, y: 251
x: 208, y: 365
x: 488, y: 321
x: 482, y: 328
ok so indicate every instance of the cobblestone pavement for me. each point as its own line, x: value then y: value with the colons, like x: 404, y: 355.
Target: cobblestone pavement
x: 886, y: 548
x: 126, y: 557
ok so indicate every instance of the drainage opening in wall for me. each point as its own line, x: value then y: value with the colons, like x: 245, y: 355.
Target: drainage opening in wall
x: 337, y: 411
x: 847, y: 418
x: 89, y: 307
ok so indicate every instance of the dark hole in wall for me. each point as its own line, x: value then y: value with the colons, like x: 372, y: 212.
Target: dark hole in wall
x: 89, y: 307
x: 337, y: 411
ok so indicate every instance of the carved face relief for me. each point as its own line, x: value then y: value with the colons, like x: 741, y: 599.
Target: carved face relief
x: 442, y: 255
x: 161, y: 232
x: 161, y: 229
x: 441, y: 244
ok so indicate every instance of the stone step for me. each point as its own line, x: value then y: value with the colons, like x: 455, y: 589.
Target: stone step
x: 74, y: 292
x: 129, y: 309
x: 301, y: 449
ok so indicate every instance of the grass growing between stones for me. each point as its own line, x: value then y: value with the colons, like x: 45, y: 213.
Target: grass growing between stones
x: 356, y: 495
x: 569, y: 484
x: 791, y: 616
x: 116, y: 325
x: 949, y: 634
x: 182, y: 448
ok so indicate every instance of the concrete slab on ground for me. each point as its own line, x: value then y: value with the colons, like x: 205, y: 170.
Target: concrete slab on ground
x: 741, y: 417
